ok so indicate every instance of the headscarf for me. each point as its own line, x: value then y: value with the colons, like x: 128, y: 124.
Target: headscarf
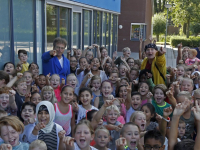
x: 51, y: 111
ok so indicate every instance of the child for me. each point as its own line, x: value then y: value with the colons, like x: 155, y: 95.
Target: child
x: 10, y: 129
x: 95, y: 87
x: 150, y: 113
x: 139, y: 118
x: 187, y: 85
x: 130, y: 136
x: 111, y: 115
x: 85, y: 96
x: 63, y: 110
x: 29, y: 79
x: 159, y: 103
x: 102, y: 138
x: 4, y: 78
x: 114, y: 79
x: 45, y: 129
x: 134, y: 74
x: 47, y: 94
x: 123, y: 70
x: 35, y: 98
x: 22, y: 55
x: 7, y: 100
x: 154, y: 139
x: 84, y: 134
x: 73, y: 64
x: 28, y: 116
x: 180, y: 71
x: 34, y: 69
x: 126, y: 55
x: 38, y: 145
x: 41, y: 82
x: 21, y: 90
x: 143, y: 89
x: 181, y: 129
x: 130, y: 62
x: 192, y: 53
x: 9, y: 68
x: 119, y: 106
x: 72, y: 80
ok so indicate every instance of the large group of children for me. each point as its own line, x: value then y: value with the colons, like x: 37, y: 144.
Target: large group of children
x: 103, y: 104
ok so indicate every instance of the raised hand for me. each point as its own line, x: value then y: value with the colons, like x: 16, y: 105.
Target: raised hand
x: 69, y: 141
x: 95, y: 45
x: 135, y: 82
x: 90, y: 47
x: 180, y: 45
x: 75, y: 106
x: 31, y: 120
x: 12, y: 92
x: 63, y: 81
x: 170, y: 93
x: 167, y: 111
x: 181, y: 107
x: 161, y: 51
x: 19, y: 75
x: 5, y: 147
x: 168, y: 76
x: 39, y: 126
x: 93, y: 89
x: 149, y: 95
x: 196, y: 110
x: 61, y: 134
x: 176, y: 84
x: 108, y: 103
x: 53, y: 53
x: 149, y: 75
x: 121, y: 142
x: 129, y: 87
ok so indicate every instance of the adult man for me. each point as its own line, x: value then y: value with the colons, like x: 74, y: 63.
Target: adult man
x: 54, y: 62
x: 155, y: 62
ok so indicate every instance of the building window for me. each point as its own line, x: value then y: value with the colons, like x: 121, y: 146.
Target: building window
x: 138, y: 31
x: 76, y: 30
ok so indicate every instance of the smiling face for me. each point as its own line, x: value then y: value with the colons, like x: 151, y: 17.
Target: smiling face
x: 28, y: 77
x: 190, y: 55
x: 27, y: 113
x: 112, y: 116
x: 133, y: 75
x: 10, y: 135
x: 122, y: 71
x: 106, y: 89
x: 83, y: 136
x: 34, y: 69
x: 96, y: 83
x: 102, y: 138
x: 180, y: 71
x: 4, y: 100
x: 21, y: 88
x: 89, y: 55
x: 131, y: 63
x: 140, y: 120
x: 104, y: 53
x: 44, y: 117
x: 41, y: 81
x: 23, y: 57
x: 36, y: 98
x: 72, y: 80
x: 159, y: 96
x: 60, y: 48
x: 144, y: 89
x: 85, y: 98
x: 47, y: 95
x: 67, y: 95
x: 55, y: 81
x: 136, y: 102
x: 150, y: 53
x: 127, y: 53
x: 147, y: 112
x: 123, y: 92
x: 186, y: 85
x: 132, y: 135
x: 114, y: 76
x: 95, y: 64
x: 73, y: 62
x: 83, y: 62
x: 9, y: 68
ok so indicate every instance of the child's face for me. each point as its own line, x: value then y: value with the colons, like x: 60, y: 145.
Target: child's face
x: 28, y: 78
x: 4, y: 100
x: 123, y: 82
x: 122, y: 70
x: 21, y: 88
x: 34, y: 69
x: 197, y: 98
x: 147, y: 112
x: 140, y: 120
x: 85, y: 98
x: 67, y: 95
x: 190, y: 55
x: 96, y: 83
x: 180, y: 71
x: 73, y: 62
x: 41, y: 81
x: 151, y: 142
x: 79, y: 53
x: 104, y: 53
x: 127, y: 53
x: 133, y: 75
x: 55, y: 81
x: 44, y: 117
x: 10, y: 135
x: 47, y: 95
x: 143, y: 78
x: 114, y: 76
x: 144, y: 89
x: 83, y: 62
x: 136, y: 102
x: 131, y: 63
x: 106, y: 89
x: 83, y: 136
x: 102, y: 138
x: 186, y: 85
x: 112, y: 116
x: 132, y: 135
x: 188, y: 73
x: 23, y: 57
x: 36, y: 98
x: 27, y: 113
x: 89, y: 55
x: 72, y: 80
x: 9, y: 68
x: 181, y: 99
x: 181, y: 129
x: 95, y: 64
x: 123, y: 92
x: 159, y: 96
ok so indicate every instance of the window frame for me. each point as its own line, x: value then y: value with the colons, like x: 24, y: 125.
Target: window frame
x: 144, y: 32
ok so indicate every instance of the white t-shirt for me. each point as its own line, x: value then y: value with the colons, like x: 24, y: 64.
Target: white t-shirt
x: 77, y: 148
x: 24, y: 137
x: 61, y: 61
x: 82, y: 112
x: 129, y: 113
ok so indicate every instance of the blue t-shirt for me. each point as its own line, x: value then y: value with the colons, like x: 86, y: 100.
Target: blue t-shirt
x: 21, y: 146
x: 198, y: 52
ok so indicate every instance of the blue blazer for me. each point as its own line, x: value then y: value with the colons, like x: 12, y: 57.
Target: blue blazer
x: 52, y: 65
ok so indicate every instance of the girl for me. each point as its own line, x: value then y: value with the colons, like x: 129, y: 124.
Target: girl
x: 29, y: 79
x: 35, y: 98
x: 28, y: 116
x: 72, y: 80
x: 45, y: 129
x: 180, y: 71
x: 37, y: 145
x: 150, y: 113
x: 143, y: 89
x: 95, y: 87
x: 9, y: 68
x: 85, y: 96
x: 130, y: 62
x: 34, y: 69
x: 102, y: 138
x: 119, y: 106
x: 47, y: 94
x: 139, y: 118
x: 4, y: 78
x: 10, y: 129
x: 84, y: 134
x: 123, y: 70
x: 41, y: 82
x: 114, y: 79
x: 63, y: 110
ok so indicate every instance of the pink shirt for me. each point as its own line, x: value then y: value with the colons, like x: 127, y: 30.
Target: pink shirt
x: 121, y: 119
x: 57, y: 92
x: 191, y: 61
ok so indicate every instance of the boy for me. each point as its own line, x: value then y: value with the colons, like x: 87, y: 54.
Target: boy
x: 154, y: 139
x: 21, y: 89
x: 134, y: 74
x: 181, y: 129
x: 22, y: 55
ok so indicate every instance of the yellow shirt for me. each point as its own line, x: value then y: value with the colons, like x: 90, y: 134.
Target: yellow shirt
x: 24, y: 67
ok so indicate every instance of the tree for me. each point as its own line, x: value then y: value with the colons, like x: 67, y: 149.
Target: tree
x: 185, y: 11
x: 159, y: 24
x: 195, y: 28
x: 159, y: 6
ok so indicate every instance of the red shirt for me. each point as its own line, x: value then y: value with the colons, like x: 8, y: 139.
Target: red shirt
x: 148, y: 66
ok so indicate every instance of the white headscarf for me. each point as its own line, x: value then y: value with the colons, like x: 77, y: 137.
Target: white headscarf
x: 51, y: 110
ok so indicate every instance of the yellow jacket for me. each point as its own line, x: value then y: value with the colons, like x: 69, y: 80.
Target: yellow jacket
x: 161, y: 63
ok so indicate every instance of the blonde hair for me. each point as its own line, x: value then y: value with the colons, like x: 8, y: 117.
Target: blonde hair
x: 29, y: 73
x: 126, y: 49
x: 194, y: 52
x: 55, y: 75
x: 134, y: 115
x: 71, y: 75
x: 38, y: 144
x: 19, y: 81
x: 99, y: 129
x: 112, y: 107
x: 187, y: 79
x: 95, y: 78
x: 12, y: 121
x: 185, y: 94
x: 196, y: 92
x: 84, y: 122
x: 49, y: 88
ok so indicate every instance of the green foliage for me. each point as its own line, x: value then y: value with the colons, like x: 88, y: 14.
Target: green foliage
x: 159, y: 24
x: 190, y: 42
x: 195, y: 28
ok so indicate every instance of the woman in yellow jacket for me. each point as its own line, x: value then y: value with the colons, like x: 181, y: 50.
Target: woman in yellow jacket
x: 156, y: 62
